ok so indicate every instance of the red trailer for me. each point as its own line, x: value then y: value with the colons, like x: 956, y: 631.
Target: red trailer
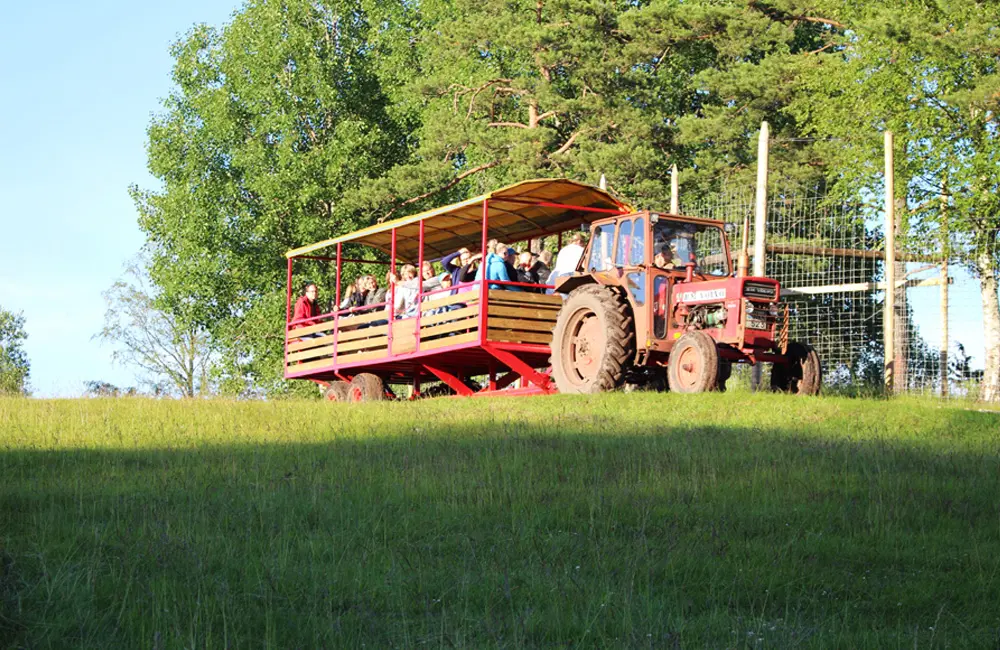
x: 473, y: 329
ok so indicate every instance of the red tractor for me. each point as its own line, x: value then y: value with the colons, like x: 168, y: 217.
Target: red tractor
x: 654, y: 301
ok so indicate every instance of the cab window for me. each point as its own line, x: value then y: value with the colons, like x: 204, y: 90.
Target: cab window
x: 600, y: 248
x: 677, y: 243
x: 637, y: 254
x: 624, y: 243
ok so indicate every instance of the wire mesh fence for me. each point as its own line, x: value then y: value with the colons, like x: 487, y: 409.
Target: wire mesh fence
x: 829, y: 257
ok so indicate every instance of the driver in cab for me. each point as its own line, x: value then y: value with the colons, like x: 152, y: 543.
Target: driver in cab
x: 666, y: 258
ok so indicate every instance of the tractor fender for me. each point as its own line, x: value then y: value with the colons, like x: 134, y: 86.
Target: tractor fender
x: 566, y: 284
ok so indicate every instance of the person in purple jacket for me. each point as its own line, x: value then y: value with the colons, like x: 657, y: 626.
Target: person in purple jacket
x: 453, y: 264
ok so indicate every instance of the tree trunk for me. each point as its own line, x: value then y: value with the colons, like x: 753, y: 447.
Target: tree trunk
x: 986, y: 265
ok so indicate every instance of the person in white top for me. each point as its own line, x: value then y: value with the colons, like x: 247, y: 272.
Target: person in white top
x: 568, y: 258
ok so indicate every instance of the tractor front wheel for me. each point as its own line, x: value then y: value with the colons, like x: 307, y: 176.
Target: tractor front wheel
x: 801, y: 375
x: 593, y: 341
x: 693, y: 366
x: 366, y: 387
x: 337, y: 391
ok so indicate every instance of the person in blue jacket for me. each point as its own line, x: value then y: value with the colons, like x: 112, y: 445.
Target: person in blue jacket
x: 496, y: 267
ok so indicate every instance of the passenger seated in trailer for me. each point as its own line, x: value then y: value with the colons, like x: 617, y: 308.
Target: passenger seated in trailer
x: 470, y: 269
x: 430, y: 279
x: 568, y: 258
x: 306, y: 308
x: 405, y: 298
x: 542, y: 264
x: 510, y: 263
x: 494, y: 266
x: 454, y: 263
x: 446, y: 283
x: 526, y: 271
x: 354, y: 295
x: 374, y: 295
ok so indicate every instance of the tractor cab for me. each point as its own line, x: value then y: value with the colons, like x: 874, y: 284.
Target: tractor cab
x: 674, y: 279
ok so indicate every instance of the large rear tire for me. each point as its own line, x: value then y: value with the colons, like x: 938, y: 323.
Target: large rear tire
x: 802, y: 375
x: 593, y: 342
x: 693, y: 366
x: 366, y: 387
x: 337, y: 391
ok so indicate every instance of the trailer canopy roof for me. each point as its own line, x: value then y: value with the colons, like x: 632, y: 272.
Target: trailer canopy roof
x: 517, y: 212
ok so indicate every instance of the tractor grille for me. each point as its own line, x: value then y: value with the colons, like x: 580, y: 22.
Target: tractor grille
x: 759, y: 290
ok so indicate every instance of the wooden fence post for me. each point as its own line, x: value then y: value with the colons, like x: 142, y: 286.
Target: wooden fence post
x: 675, y: 198
x: 945, y: 254
x: 760, y: 223
x: 889, y: 307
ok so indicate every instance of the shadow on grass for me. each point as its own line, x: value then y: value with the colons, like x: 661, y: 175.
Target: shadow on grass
x: 517, y: 536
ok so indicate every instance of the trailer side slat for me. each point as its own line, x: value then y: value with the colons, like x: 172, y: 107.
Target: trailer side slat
x: 502, y: 295
x: 465, y: 323
x: 521, y: 324
x: 449, y: 316
x: 532, y: 312
x: 312, y: 353
x: 466, y: 296
x: 445, y: 341
x: 507, y: 336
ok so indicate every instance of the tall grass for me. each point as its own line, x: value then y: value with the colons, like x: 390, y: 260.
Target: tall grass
x: 641, y: 520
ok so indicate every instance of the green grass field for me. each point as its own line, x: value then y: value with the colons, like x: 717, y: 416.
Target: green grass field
x: 640, y: 520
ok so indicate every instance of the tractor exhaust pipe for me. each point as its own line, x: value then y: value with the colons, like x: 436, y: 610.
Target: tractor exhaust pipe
x: 743, y: 265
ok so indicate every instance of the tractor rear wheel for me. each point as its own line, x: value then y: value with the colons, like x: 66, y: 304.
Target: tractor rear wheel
x: 693, y: 366
x: 366, y: 387
x: 802, y: 375
x: 337, y: 391
x: 593, y: 342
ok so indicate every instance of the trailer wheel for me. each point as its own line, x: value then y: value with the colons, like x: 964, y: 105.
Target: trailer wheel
x: 337, y: 391
x: 802, y: 375
x: 593, y: 341
x: 366, y: 387
x: 693, y: 366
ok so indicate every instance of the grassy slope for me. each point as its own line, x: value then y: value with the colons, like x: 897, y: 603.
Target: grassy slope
x: 638, y: 520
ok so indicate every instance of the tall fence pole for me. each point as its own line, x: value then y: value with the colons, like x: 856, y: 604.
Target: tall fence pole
x: 945, y: 254
x: 889, y: 308
x: 760, y: 221
x: 675, y: 195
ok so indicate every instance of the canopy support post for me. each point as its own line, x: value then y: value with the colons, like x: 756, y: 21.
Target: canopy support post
x: 336, y: 306
x: 392, y: 293
x: 483, y: 285
x: 420, y: 285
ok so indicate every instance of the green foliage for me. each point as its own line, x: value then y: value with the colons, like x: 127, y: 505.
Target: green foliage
x: 302, y: 120
x: 14, y: 364
x: 606, y: 521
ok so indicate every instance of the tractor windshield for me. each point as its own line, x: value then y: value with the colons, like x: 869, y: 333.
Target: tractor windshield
x: 677, y: 243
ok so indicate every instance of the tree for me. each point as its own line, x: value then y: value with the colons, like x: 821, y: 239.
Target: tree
x: 174, y: 354
x: 273, y: 122
x: 98, y: 388
x: 929, y: 71
x: 302, y: 120
x: 14, y: 365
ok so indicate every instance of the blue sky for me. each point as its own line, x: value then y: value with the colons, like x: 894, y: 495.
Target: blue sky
x: 79, y: 82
